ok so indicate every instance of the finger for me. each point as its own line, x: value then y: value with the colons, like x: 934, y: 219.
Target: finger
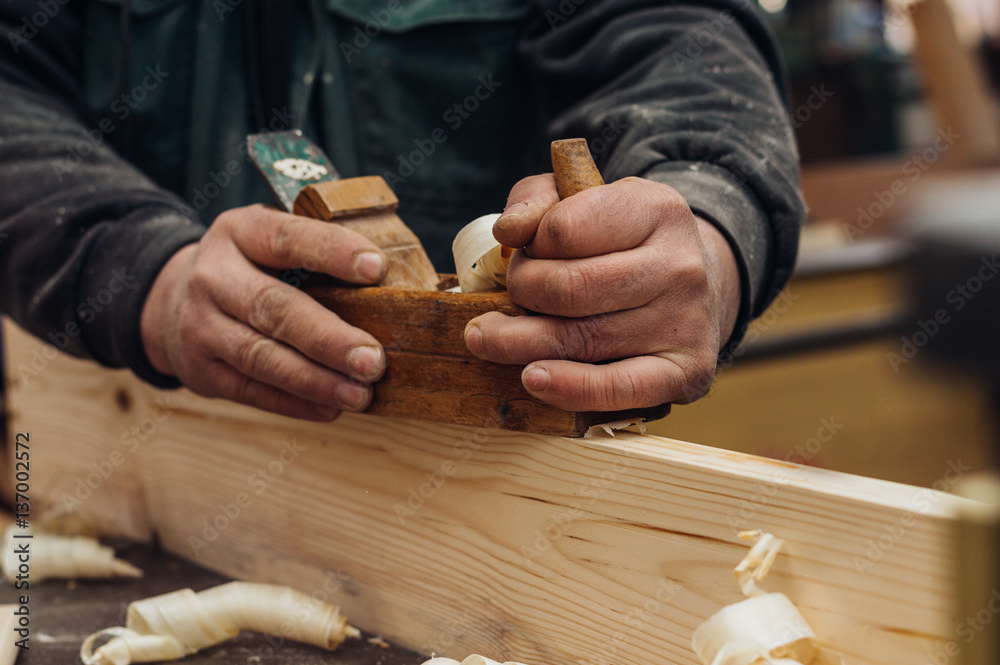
x: 607, y: 219
x: 584, y: 287
x: 627, y: 384
x: 282, y: 312
x: 232, y: 385
x: 281, y: 240
x: 519, y: 340
x: 528, y: 201
x: 269, y: 362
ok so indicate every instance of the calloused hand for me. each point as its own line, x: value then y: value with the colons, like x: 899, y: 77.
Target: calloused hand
x: 219, y: 319
x: 625, y: 273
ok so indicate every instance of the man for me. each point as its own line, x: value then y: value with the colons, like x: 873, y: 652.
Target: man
x: 642, y: 281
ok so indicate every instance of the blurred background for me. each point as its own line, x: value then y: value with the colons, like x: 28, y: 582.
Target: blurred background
x: 879, y: 357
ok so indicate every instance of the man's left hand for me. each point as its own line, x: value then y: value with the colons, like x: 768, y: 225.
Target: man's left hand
x: 638, y: 295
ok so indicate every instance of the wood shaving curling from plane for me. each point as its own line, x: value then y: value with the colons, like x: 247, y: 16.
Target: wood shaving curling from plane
x: 766, y: 628
x: 481, y: 262
x: 609, y: 428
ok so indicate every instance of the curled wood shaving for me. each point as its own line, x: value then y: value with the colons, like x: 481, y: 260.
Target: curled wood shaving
x: 62, y: 557
x: 764, y: 628
x: 177, y: 624
x: 480, y: 260
x: 474, y: 659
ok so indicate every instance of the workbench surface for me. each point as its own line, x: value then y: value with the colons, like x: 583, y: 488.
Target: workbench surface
x: 64, y: 614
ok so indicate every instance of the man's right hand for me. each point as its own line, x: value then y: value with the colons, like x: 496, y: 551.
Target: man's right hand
x: 219, y: 319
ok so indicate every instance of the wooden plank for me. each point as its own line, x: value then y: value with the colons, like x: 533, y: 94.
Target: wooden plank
x: 460, y: 540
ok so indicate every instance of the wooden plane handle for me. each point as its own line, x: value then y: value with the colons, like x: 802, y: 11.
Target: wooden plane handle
x: 368, y: 206
x: 574, y: 167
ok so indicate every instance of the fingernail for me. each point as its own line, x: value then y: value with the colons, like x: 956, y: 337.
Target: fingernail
x: 515, y: 208
x: 474, y: 339
x: 510, y: 211
x: 365, y: 362
x: 369, y: 266
x: 535, y: 379
x: 353, y: 395
x: 328, y: 412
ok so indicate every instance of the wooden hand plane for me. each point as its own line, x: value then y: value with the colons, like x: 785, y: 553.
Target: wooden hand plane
x: 431, y: 375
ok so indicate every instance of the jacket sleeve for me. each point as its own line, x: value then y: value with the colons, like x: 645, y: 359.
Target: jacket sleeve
x: 83, y: 234
x: 689, y: 93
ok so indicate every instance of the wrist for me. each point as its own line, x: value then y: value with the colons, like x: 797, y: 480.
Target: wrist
x: 158, y: 311
x: 725, y: 275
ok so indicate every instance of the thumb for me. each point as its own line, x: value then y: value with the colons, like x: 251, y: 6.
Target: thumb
x: 528, y: 202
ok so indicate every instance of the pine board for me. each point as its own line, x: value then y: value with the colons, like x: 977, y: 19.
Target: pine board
x: 541, y: 549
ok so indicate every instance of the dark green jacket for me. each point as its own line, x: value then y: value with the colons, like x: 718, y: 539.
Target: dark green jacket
x: 122, y: 127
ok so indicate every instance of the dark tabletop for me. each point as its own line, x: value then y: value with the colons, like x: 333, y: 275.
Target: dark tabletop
x: 62, y: 614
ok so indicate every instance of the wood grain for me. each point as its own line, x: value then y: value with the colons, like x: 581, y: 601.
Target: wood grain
x: 367, y: 206
x: 573, y: 167
x: 334, y: 199
x: 431, y: 374
x: 466, y: 540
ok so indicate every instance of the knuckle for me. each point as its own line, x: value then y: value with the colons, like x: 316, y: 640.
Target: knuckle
x: 256, y: 357
x: 207, y: 379
x: 668, y: 199
x: 571, y: 285
x: 285, y: 241
x: 698, y: 375
x: 269, y: 308
x: 582, y: 339
x: 691, y: 275
x: 245, y: 390
x: 558, y: 227
x: 201, y: 278
x: 224, y: 220
x: 626, y: 390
